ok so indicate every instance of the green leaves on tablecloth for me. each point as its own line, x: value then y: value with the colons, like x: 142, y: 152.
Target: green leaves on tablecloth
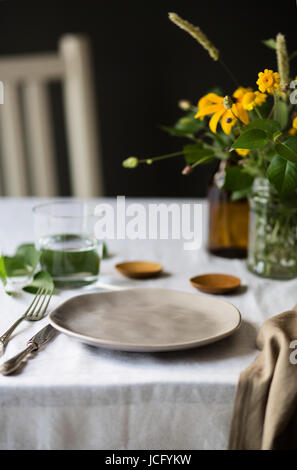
x: 28, y: 253
x: 41, y: 279
x: 24, y: 263
x: 3, y: 274
x: 105, y: 253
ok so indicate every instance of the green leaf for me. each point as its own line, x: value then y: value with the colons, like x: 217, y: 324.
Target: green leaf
x: 271, y: 43
x: 2, y: 270
x: 22, y: 263
x: 241, y: 194
x: 288, y: 149
x: 282, y: 113
x: 264, y: 109
x: 276, y: 135
x: 283, y: 175
x: 175, y: 132
x: 41, y: 279
x: 15, y: 266
x: 189, y: 125
x: 221, y: 139
x: 216, y: 90
x: 104, y: 251
x: 29, y: 254
x: 196, y: 152
x: 291, y: 200
x: 251, y: 139
x: 186, y: 126
x: 236, y: 179
x: 267, y: 125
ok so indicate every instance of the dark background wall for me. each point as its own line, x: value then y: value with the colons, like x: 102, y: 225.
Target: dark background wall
x: 143, y: 65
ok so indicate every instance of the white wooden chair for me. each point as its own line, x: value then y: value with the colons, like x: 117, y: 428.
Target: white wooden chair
x: 31, y: 74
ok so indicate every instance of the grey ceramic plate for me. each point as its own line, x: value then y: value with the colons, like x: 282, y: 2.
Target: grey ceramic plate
x: 146, y: 319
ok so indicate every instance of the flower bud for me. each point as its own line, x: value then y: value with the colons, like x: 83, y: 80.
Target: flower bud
x: 187, y: 170
x: 185, y: 105
x: 227, y: 102
x: 131, y: 162
x: 149, y: 161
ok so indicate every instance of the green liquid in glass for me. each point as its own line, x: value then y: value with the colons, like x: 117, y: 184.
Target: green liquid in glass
x: 72, y: 260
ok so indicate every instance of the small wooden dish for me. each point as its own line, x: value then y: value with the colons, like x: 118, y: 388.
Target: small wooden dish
x: 139, y: 269
x: 216, y: 283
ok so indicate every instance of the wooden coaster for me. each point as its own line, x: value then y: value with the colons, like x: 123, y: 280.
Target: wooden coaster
x: 139, y: 269
x: 215, y: 283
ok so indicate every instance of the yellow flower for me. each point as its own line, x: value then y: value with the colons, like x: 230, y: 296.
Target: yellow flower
x: 214, y: 104
x: 228, y: 121
x: 253, y: 99
x: 240, y: 92
x: 205, y: 102
x: 242, y: 152
x: 268, y: 81
x: 238, y: 108
x: 211, y: 104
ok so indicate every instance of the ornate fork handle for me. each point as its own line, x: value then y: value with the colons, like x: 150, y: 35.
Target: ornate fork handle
x: 14, y: 363
x: 5, y: 337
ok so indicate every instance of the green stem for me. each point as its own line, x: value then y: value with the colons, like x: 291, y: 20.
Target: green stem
x: 162, y: 157
x: 199, y: 162
x: 229, y: 72
x: 258, y: 113
x: 273, y: 109
x: 275, y: 106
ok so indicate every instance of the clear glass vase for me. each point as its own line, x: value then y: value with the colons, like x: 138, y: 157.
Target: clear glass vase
x: 272, y: 251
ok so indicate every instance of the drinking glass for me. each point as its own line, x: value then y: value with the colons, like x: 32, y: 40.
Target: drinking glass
x: 65, y: 236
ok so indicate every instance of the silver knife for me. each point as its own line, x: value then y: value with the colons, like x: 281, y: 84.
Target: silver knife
x: 41, y: 338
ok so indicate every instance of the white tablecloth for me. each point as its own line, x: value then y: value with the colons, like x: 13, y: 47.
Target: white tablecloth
x: 72, y: 396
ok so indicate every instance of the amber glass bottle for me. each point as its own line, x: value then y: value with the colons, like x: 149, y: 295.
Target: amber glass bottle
x: 228, y: 220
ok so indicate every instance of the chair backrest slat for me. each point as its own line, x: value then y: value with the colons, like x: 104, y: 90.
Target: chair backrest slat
x: 81, y: 119
x: 31, y: 67
x: 40, y: 139
x: 12, y: 139
x: 71, y: 65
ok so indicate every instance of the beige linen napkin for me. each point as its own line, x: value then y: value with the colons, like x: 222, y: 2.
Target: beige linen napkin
x: 265, y: 408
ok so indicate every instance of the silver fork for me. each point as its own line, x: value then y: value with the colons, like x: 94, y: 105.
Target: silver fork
x: 35, y: 312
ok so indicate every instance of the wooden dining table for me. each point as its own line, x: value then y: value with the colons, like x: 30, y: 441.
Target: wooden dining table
x: 74, y: 396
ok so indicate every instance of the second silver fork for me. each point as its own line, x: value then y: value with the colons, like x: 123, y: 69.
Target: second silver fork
x: 36, y: 311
